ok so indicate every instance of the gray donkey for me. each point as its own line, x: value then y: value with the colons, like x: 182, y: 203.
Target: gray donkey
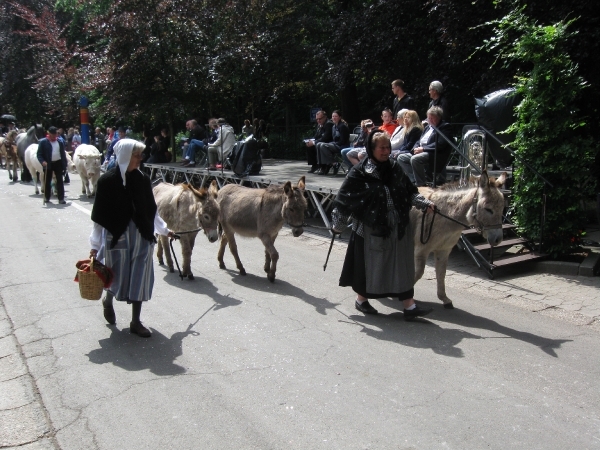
x: 479, y: 203
x: 260, y: 213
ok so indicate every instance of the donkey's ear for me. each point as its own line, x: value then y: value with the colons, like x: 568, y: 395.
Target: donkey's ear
x: 484, y: 180
x: 287, y: 188
x: 501, y: 180
x: 301, y: 183
x: 213, y: 190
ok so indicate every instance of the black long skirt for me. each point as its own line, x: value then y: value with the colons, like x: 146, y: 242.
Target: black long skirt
x: 354, y: 271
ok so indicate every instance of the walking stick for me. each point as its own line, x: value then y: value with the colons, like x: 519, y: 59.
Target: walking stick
x: 329, y: 252
x: 175, y: 236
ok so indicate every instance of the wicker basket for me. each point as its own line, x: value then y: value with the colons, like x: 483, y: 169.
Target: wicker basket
x: 90, y: 284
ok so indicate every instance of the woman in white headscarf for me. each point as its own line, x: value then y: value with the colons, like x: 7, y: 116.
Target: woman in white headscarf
x: 125, y: 220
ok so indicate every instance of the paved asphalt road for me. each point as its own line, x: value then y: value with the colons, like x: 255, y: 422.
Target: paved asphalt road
x: 239, y: 363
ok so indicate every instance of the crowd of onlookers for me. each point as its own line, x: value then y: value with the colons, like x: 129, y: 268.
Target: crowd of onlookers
x: 416, y: 145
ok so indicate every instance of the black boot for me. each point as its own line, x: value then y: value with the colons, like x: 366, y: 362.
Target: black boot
x: 109, y: 312
x: 313, y: 168
x: 136, y: 326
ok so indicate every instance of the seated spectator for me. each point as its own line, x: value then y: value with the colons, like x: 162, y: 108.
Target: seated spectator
x: 359, y: 144
x: 389, y: 124
x: 158, y: 151
x: 213, y: 124
x: 436, y: 92
x: 195, y: 143
x: 397, y: 137
x: 323, y: 134
x: 220, y: 149
x: 327, y: 150
x: 247, y: 129
x: 419, y: 165
x: 413, y: 128
x: 401, y: 99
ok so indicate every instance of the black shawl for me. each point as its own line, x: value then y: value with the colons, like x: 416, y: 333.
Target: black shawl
x: 115, y: 205
x: 363, y: 196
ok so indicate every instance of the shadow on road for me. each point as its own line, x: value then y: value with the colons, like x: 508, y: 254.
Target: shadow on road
x: 132, y: 353
x: 282, y: 287
x: 198, y: 286
x: 426, y: 334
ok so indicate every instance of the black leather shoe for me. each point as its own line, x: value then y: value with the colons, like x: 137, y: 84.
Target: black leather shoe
x: 325, y: 170
x: 313, y: 168
x: 365, y: 307
x: 62, y: 202
x: 411, y: 314
x: 139, y: 329
x: 335, y: 168
x: 109, y: 313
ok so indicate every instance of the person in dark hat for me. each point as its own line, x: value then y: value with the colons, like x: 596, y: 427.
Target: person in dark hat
x: 53, y: 157
x: 378, y: 196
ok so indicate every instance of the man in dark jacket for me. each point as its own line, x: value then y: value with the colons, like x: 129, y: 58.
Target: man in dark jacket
x: 51, y: 154
x: 401, y: 99
x: 419, y: 164
x: 323, y: 133
x: 438, y: 98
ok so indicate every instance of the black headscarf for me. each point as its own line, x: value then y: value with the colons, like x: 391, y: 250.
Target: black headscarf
x: 116, y: 205
x: 363, y: 196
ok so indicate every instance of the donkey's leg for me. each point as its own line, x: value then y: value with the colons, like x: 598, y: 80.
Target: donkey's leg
x: 167, y: 250
x: 267, y: 261
x: 222, y: 245
x: 441, y: 263
x: 234, y: 252
x: 159, y: 251
x: 420, y: 260
x: 187, y: 246
x: 270, y: 249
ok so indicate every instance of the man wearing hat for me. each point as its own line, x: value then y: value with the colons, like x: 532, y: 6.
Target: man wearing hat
x: 51, y: 154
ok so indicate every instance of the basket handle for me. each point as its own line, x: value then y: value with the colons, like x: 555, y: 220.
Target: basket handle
x: 92, y: 264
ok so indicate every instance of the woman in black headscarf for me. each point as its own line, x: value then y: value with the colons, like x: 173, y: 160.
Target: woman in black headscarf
x: 125, y: 220
x: 378, y: 196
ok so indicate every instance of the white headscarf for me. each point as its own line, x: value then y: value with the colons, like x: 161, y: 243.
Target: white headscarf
x: 123, y: 150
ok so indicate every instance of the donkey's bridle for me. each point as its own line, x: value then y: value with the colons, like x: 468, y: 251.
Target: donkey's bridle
x: 480, y: 227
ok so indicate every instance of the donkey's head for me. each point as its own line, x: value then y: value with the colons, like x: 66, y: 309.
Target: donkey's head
x: 294, y: 206
x: 488, y: 207
x: 209, y: 210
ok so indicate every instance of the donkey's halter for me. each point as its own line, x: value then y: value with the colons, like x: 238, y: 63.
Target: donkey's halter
x: 480, y: 227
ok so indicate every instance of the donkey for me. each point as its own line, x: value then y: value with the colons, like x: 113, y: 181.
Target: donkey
x: 480, y: 203
x: 24, y: 140
x: 260, y: 213
x: 9, y: 146
x: 184, y: 208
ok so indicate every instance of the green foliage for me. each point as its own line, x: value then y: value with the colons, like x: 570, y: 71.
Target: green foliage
x: 549, y: 130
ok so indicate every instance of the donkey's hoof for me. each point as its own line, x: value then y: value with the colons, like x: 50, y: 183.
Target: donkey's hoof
x: 161, y: 262
x: 222, y: 266
x: 271, y: 277
x: 190, y: 276
x: 448, y: 305
x: 171, y: 269
x: 242, y: 271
